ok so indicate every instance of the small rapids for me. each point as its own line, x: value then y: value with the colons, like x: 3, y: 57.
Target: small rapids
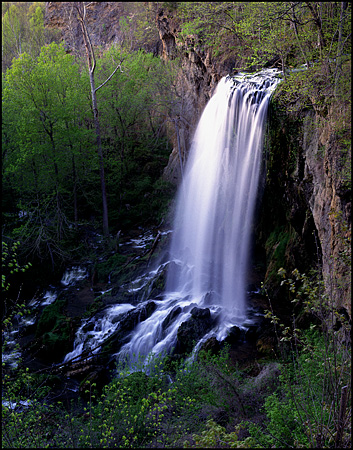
x: 12, y: 353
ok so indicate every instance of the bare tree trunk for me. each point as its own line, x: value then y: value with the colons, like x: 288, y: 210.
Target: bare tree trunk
x: 294, y: 22
x: 81, y: 9
x: 74, y: 191
x: 100, y: 155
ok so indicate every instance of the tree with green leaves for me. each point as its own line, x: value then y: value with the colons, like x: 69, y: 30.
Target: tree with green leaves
x: 23, y: 30
x: 44, y: 142
x: 133, y: 115
x: 91, y: 62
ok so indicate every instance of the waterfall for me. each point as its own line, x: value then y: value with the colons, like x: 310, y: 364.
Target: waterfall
x: 215, y: 208
x: 209, y: 253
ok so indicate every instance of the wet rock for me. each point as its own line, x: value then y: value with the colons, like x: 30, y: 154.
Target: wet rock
x: 212, y: 346
x: 127, y: 323
x: 88, y: 327
x: 170, y: 317
x: 193, y: 329
x: 235, y: 335
x: 201, y: 314
x: 158, y: 284
x: 211, y: 298
x: 120, y: 295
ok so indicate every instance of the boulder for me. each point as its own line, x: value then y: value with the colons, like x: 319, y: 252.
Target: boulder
x: 193, y: 329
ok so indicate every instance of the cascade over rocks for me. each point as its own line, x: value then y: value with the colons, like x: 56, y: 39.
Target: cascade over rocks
x: 310, y: 215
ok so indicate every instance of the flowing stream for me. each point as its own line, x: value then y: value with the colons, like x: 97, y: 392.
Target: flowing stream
x: 211, y: 241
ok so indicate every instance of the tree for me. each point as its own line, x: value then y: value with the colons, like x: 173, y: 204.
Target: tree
x: 91, y: 62
x: 133, y: 115
x: 13, y: 32
x: 23, y: 30
x: 42, y: 139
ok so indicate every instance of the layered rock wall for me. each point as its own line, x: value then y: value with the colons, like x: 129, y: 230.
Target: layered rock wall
x: 330, y: 204
x: 308, y: 200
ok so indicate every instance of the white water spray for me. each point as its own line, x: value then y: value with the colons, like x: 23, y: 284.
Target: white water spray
x: 218, y: 194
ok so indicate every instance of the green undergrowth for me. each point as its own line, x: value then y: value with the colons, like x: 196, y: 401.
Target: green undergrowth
x: 300, y: 400
x: 207, y: 403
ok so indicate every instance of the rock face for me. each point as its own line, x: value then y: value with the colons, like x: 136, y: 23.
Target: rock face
x: 330, y: 204
x: 108, y: 23
x: 193, y: 330
x: 198, y: 77
x: 309, y: 168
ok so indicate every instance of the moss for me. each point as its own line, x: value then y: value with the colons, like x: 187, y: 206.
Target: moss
x: 50, y: 317
x: 277, y: 250
x: 54, y: 330
x: 94, y: 307
x: 110, y: 266
x: 57, y: 342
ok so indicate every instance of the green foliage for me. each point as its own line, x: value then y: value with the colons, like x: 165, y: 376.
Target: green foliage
x: 11, y: 266
x: 277, y: 251
x: 300, y: 413
x: 311, y: 406
x: 51, y: 316
x: 42, y: 104
x: 216, y: 436
x: 50, y: 164
x: 110, y: 266
x: 25, y: 416
x: 23, y: 30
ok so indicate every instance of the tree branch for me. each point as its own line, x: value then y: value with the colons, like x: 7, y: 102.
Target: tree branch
x: 106, y: 81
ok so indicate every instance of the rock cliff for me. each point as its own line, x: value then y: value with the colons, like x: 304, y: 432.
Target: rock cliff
x: 308, y: 175
x: 108, y: 23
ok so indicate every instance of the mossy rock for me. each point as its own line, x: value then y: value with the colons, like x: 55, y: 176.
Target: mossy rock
x: 51, y: 315
x: 54, y: 331
x: 109, y: 267
x: 57, y: 343
x: 278, y: 251
x: 94, y: 307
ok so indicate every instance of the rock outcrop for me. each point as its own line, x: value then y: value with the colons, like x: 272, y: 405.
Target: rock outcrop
x: 310, y: 168
x: 330, y: 204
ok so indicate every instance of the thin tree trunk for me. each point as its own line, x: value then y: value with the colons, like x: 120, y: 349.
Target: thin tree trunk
x: 91, y: 67
x: 294, y: 19
x: 75, y: 191
x: 100, y: 155
x: 312, y: 7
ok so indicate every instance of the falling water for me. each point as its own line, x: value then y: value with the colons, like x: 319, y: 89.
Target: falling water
x: 217, y: 197
x: 213, y: 225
